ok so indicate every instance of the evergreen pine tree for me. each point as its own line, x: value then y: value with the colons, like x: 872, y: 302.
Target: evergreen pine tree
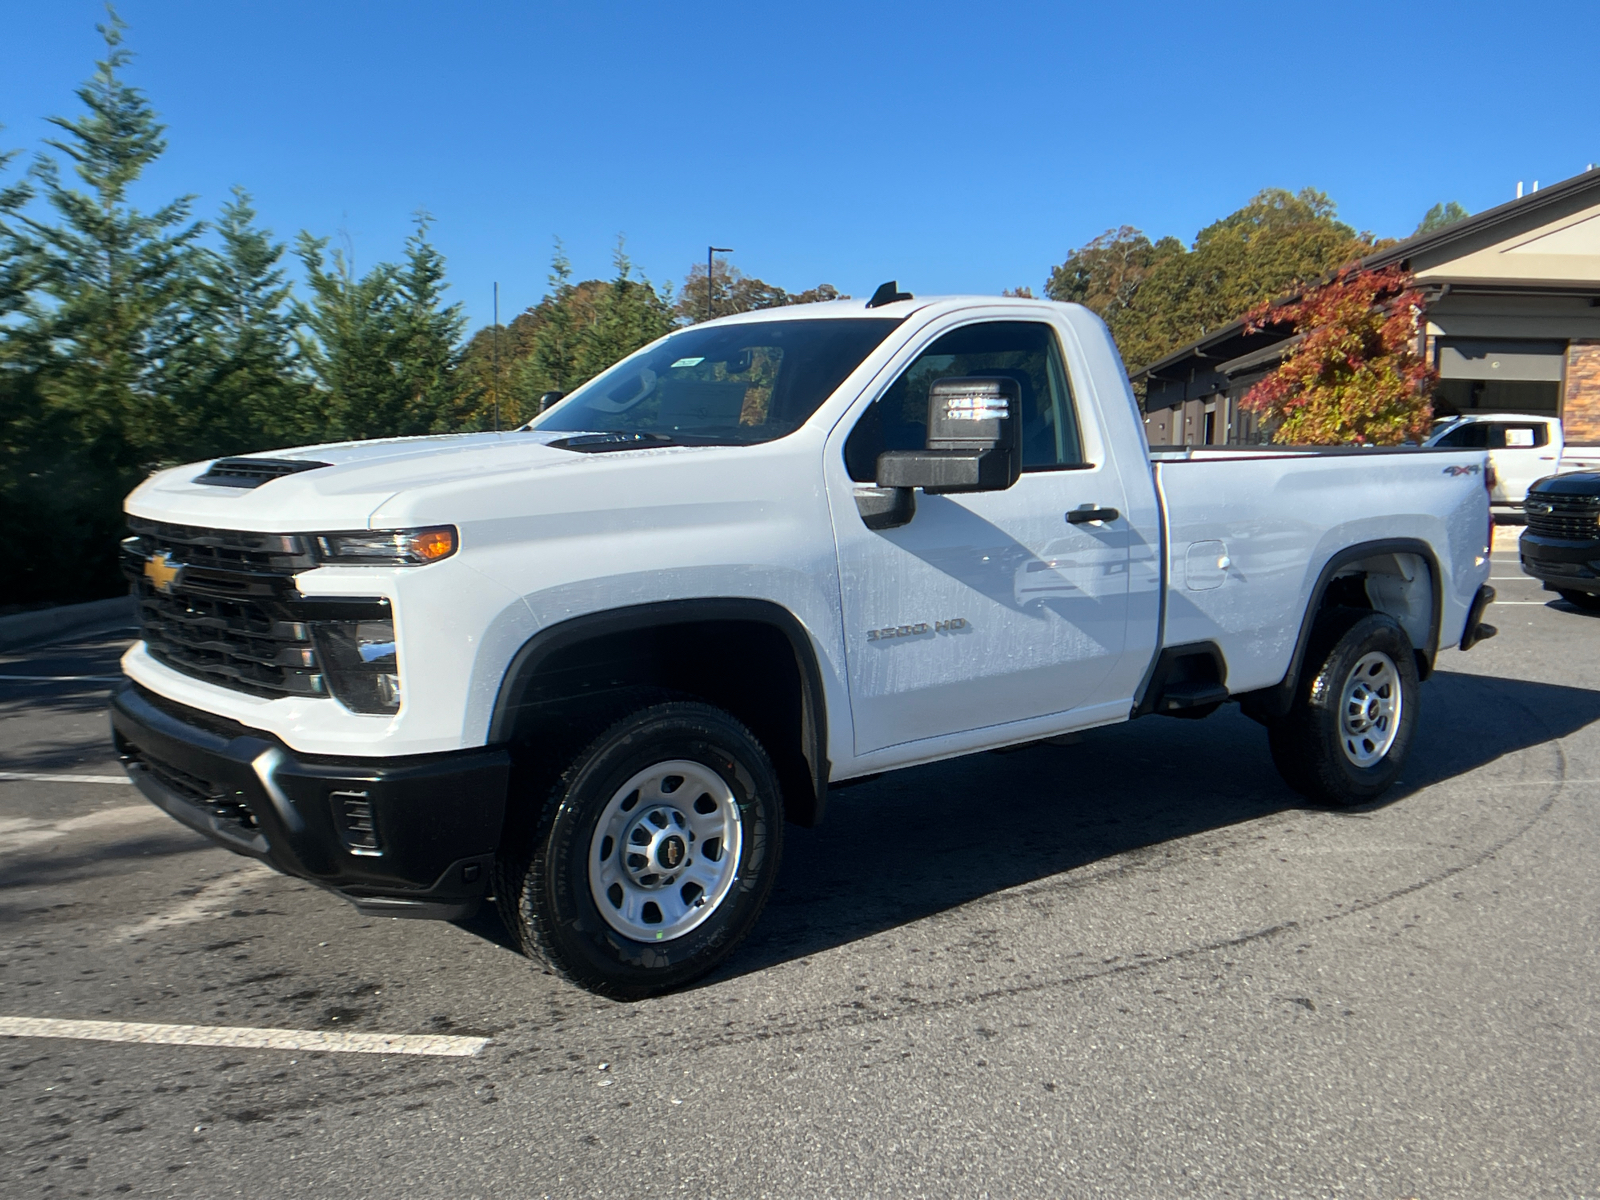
x: 553, y: 365
x: 628, y: 314
x: 428, y: 336
x: 347, y: 341
x: 117, y: 280
x: 234, y: 379
x: 14, y: 286
x: 99, y: 292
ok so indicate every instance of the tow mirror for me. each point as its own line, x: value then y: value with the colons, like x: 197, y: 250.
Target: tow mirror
x: 974, y: 440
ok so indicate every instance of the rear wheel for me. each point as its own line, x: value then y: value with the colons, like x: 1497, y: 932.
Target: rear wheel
x: 1587, y: 601
x: 1345, y: 739
x: 654, y: 854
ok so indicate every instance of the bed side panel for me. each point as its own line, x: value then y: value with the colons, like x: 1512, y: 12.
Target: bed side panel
x: 1249, y: 538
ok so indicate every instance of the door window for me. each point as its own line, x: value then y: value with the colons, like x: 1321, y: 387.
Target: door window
x: 1024, y: 351
x: 1472, y: 436
x: 1518, y: 437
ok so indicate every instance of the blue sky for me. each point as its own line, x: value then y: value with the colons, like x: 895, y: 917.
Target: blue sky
x: 955, y: 147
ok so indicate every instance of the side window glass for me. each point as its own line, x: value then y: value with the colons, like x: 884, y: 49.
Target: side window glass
x: 1525, y: 437
x: 1466, y: 437
x: 1025, y: 351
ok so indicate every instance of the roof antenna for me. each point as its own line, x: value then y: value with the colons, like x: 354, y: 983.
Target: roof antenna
x: 887, y: 293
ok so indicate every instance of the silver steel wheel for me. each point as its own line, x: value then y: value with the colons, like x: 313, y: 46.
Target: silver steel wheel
x: 1369, y: 709
x: 665, y: 852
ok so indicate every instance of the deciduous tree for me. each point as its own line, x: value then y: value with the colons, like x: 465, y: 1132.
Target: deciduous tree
x: 1157, y: 296
x: 1354, y: 375
x: 732, y: 291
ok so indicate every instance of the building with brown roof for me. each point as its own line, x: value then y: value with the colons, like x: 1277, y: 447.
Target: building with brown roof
x: 1513, y: 325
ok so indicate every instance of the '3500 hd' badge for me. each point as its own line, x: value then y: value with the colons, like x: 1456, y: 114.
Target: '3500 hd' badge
x: 900, y: 631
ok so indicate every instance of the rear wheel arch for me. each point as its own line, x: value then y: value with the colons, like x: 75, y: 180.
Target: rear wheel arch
x: 752, y: 658
x: 1331, y: 592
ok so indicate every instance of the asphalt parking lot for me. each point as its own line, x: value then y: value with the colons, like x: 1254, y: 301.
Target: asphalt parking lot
x: 1132, y: 966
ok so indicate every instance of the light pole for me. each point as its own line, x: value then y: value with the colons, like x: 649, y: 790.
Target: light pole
x: 494, y: 385
x: 711, y: 264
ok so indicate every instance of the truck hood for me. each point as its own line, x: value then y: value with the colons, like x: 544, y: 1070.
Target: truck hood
x: 356, y: 482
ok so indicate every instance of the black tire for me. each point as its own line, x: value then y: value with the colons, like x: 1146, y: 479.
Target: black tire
x: 543, y: 885
x: 1315, y: 751
x: 1587, y: 601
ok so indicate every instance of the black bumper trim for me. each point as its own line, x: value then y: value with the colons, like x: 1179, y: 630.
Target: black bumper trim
x: 1561, y: 565
x: 229, y: 833
x: 437, y: 817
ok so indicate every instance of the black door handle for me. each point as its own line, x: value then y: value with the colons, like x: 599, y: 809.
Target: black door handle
x: 1082, y: 516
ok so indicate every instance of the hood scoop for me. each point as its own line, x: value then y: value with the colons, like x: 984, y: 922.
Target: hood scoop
x: 253, y: 472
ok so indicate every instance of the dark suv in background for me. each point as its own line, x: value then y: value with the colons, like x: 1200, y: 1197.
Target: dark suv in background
x: 1561, y: 545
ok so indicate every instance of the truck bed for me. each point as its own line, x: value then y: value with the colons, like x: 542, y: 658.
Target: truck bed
x: 1248, y: 532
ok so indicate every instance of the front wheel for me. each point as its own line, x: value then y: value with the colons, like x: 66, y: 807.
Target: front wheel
x: 655, y: 853
x: 1345, y: 739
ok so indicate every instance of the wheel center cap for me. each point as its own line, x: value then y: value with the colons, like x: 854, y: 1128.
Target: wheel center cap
x: 656, y: 846
x: 670, y: 852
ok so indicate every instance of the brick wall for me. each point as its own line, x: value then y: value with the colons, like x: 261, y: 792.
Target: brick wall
x: 1580, y: 409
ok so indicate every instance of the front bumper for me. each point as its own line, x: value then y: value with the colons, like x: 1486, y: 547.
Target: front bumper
x: 401, y: 837
x: 1562, y: 565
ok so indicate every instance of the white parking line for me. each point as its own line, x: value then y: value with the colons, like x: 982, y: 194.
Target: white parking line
x: 209, y: 900
x: 244, y: 1037
x: 61, y: 678
x: 18, y: 833
x: 41, y: 777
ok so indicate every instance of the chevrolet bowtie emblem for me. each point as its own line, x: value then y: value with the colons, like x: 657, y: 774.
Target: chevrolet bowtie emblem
x: 160, y: 570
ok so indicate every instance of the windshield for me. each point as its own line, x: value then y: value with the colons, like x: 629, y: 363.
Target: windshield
x: 727, y: 384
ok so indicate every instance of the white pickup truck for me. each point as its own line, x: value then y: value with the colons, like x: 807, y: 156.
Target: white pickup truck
x: 589, y: 666
x: 1523, y: 448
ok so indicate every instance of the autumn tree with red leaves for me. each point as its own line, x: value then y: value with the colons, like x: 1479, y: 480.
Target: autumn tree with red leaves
x: 1354, y: 375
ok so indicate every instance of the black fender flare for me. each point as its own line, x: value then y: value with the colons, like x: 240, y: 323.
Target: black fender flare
x: 805, y: 806
x: 1269, y: 703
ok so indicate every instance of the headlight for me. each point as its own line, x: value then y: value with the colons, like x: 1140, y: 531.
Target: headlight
x: 358, y: 660
x: 388, y: 547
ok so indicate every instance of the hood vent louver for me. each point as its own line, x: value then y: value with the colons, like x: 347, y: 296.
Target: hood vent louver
x: 253, y: 472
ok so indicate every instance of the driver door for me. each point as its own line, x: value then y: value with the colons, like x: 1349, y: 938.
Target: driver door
x: 990, y: 607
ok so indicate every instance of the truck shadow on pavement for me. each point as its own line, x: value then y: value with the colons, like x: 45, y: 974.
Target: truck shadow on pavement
x: 921, y: 841
x: 58, y: 717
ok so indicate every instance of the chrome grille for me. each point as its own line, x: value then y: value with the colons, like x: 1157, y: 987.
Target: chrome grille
x: 229, y: 614
x: 1571, y: 518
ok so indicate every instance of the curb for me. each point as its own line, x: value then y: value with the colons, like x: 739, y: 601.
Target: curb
x: 24, y: 629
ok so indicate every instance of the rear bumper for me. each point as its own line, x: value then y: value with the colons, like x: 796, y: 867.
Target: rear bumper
x: 1476, y: 630
x: 403, y: 837
x: 1560, y: 564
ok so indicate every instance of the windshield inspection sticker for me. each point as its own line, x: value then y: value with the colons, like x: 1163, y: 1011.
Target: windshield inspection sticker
x: 687, y: 362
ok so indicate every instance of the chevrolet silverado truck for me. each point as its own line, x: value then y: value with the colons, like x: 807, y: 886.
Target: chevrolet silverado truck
x: 1561, y: 545
x: 591, y: 666
x: 1522, y: 448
